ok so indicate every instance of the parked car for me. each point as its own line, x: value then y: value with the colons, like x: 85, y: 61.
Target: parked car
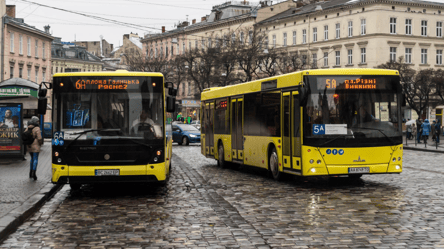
x: 196, y: 123
x: 47, y: 130
x: 185, y: 134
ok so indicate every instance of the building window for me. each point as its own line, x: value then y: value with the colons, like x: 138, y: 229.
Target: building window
x: 43, y: 50
x: 424, y: 28
x: 423, y: 56
x: 392, y: 54
x: 21, y: 45
x: 12, y: 42
x: 294, y: 37
x: 29, y: 46
x: 392, y: 25
x: 11, y: 73
x: 315, y: 34
x: 189, y: 46
x: 326, y: 32
x: 350, y: 29
x: 233, y: 37
x: 304, y: 36
x: 363, y: 27
x: 36, y: 48
x: 266, y: 42
x: 43, y: 75
x: 338, y: 30
x: 350, y: 56
x: 202, y: 45
x: 250, y: 37
x: 166, y: 51
x: 189, y: 89
x: 20, y: 72
x: 274, y: 41
x: 155, y: 55
x: 363, y: 55
x: 338, y: 58
x: 315, y: 60
x: 196, y: 45
x: 285, y: 39
x: 183, y: 48
x: 438, y: 29
x: 408, y: 55
x: 439, y: 57
x: 408, y: 26
x: 326, y: 59
x: 29, y: 73
x: 36, y: 74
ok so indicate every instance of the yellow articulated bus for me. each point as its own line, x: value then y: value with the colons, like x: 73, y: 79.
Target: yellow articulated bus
x: 111, y: 127
x: 333, y: 122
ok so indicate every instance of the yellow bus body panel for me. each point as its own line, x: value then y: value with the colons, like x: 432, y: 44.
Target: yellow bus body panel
x: 378, y: 159
x: 256, y: 150
x: 109, y: 73
x: 226, y: 140
x: 159, y: 170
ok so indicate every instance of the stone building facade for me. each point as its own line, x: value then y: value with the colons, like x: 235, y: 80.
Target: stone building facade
x: 132, y: 46
x: 98, y: 48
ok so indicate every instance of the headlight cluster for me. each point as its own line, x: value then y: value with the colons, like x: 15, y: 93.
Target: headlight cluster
x: 394, y: 159
x: 192, y: 135
x: 318, y: 161
x: 57, y: 156
x: 156, y: 157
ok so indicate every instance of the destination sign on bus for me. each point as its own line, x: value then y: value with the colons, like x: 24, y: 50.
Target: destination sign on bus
x: 106, y: 84
x: 347, y: 83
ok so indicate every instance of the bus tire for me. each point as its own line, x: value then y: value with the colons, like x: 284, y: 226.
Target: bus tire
x: 273, y: 165
x: 221, y: 160
x: 185, y: 141
x: 75, y: 186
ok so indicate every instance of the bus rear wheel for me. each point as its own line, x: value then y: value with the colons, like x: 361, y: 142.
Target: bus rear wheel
x: 273, y: 165
x: 221, y: 160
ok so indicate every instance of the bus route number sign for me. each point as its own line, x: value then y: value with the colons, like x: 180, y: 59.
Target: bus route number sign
x: 319, y: 129
x: 105, y: 84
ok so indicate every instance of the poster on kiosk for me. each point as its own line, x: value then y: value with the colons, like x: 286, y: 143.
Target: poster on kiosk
x: 11, y: 127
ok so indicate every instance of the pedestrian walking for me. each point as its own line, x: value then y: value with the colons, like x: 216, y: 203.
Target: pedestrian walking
x: 414, y: 131
x: 34, y: 147
x: 418, y: 130
x: 437, y: 130
x: 426, y: 128
x: 432, y: 131
x: 409, y: 131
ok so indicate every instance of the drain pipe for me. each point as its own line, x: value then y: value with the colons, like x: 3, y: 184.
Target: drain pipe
x: 3, y: 48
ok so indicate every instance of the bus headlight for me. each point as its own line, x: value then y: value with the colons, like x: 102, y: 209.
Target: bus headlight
x: 398, y: 167
x: 59, y: 160
x: 155, y: 159
x: 313, y: 170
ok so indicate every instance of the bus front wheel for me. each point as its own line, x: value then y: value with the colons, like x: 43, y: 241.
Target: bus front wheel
x: 221, y: 159
x: 273, y: 165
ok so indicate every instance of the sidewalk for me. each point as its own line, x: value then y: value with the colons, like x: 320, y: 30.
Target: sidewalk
x: 21, y: 196
x: 429, y: 147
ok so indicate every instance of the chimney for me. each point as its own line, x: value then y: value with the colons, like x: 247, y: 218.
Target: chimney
x: 163, y: 29
x: 47, y: 27
x: 10, y: 10
x: 203, y: 19
x: 193, y: 21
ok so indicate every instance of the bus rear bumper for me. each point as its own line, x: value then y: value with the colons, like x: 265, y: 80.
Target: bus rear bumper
x: 106, y: 179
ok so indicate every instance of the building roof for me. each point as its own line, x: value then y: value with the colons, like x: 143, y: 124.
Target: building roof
x: 136, y: 42
x: 19, y: 22
x: 310, y: 8
x: 19, y: 82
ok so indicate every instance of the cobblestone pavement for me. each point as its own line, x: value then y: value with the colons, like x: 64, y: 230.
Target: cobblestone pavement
x: 207, y: 207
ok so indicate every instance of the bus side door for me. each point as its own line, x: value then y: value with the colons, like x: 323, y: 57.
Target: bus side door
x: 237, y: 135
x: 291, y: 142
x: 209, y: 132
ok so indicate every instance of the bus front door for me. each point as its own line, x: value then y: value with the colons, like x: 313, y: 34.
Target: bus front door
x: 291, y: 147
x: 237, y: 138
x: 209, y: 133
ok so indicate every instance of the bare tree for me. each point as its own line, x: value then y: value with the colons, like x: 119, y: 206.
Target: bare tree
x: 148, y: 63
x: 248, y: 56
x: 268, y: 63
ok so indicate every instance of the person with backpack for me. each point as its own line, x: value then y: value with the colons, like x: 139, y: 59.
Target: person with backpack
x: 437, y: 130
x: 426, y: 129
x: 32, y: 138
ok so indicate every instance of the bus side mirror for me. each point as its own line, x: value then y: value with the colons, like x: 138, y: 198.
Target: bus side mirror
x: 304, y: 92
x: 170, y: 102
x: 172, y: 91
x: 41, y: 108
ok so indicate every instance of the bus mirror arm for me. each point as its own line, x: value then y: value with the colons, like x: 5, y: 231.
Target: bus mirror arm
x: 304, y: 92
x: 171, y: 101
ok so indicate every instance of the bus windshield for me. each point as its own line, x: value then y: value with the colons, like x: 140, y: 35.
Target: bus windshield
x: 352, y: 111
x: 95, y: 114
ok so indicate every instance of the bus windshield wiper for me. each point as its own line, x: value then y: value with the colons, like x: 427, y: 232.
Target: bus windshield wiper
x: 333, y: 139
x: 86, y: 131
x: 374, y: 129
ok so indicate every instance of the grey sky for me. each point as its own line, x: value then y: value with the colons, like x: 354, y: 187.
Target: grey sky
x: 151, y: 14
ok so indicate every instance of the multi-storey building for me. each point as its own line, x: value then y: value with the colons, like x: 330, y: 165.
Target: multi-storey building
x: 98, y: 48
x: 132, y: 46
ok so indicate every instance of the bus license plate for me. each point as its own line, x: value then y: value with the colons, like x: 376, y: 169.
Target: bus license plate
x: 107, y: 172
x: 359, y: 170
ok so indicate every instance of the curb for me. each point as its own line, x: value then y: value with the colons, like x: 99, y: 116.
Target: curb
x: 426, y: 150
x: 11, y: 221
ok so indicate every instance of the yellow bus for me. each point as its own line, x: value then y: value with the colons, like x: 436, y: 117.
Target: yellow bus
x: 332, y: 122
x: 111, y: 127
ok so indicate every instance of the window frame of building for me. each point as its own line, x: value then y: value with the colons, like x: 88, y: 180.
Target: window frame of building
x: 29, y: 46
x: 350, y: 28
x: 250, y: 37
x: 439, y: 57
x: 11, y: 40
x: 423, y: 27
x: 294, y: 37
x: 11, y: 71
x: 408, y: 26
x: 424, y: 56
x: 393, y: 25
x: 325, y: 59
x: 274, y: 41
x: 392, y: 54
x: 36, y: 48
x: 43, y: 51
x: 315, y: 34
x: 21, y: 44
x: 408, y: 55
x: 338, y: 30
x: 315, y: 60
x: 304, y: 36
x: 338, y: 58
x: 43, y: 75
x: 285, y: 39
x: 196, y: 45
x: 325, y: 32
x: 189, y: 46
x: 363, y: 55
x: 166, y: 51
x: 184, y: 47
x: 439, y: 29
x: 266, y: 42
x: 29, y: 72
x: 20, y: 72
x: 363, y: 27
x: 36, y: 75
x: 350, y: 56
x: 241, y: 37
x: 233, y: 37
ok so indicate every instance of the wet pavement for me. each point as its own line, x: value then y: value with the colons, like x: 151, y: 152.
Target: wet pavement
x: 204, y: 206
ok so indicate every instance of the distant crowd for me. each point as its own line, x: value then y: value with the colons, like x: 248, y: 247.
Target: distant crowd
x: 421, y: 130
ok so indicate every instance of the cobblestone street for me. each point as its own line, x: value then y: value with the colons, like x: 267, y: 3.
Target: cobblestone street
x: 204, y: 206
